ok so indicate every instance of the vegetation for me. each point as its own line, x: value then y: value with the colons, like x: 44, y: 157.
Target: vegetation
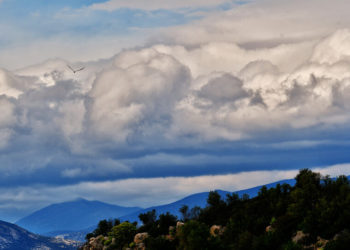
x: 313, y: 214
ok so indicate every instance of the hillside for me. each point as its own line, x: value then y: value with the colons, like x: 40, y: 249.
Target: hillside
x: 72, y: 216
x: 13, y: 237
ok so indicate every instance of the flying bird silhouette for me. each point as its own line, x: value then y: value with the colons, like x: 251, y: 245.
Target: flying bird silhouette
x: 75, y: 70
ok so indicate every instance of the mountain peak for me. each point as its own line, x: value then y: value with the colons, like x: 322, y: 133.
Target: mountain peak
x: 72, y: 215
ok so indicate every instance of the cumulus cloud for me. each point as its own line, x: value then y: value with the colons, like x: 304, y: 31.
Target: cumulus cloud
x: 7, y: 120
x: 167, y: 96
x: 219, y: 96
x: 138, y: 95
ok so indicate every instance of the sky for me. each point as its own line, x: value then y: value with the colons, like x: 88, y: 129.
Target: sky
x: 176, y: 97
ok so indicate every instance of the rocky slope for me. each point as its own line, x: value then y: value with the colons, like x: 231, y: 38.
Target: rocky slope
x: 13, y: 237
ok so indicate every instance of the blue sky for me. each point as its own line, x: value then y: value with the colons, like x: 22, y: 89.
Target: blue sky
x: 66, y: 24
x: 175, y: 98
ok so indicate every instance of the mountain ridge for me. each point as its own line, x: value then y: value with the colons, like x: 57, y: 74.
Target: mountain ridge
x: 197, y: 199
x: 13, y: 237
x: 71, y: 215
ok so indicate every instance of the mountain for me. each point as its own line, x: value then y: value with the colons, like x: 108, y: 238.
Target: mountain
x: 199, y: 199
x: 13, y: 237
x: 72, y: 216
x: 74, y: 219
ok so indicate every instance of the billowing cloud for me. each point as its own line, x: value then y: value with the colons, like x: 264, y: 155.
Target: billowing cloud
x: 138, y: 95
x: 219, y: 96
x: 165, y: 97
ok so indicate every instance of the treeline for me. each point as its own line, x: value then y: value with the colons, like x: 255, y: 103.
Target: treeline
x: 312, y: 214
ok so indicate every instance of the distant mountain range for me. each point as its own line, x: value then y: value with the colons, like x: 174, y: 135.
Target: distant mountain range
x: 74, y: 219
x: 73, y: 215
x: 199, y: 199
x: 13, y: 237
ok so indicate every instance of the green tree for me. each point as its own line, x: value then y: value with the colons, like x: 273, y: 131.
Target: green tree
x: 184, y: 212
x: 103, y: 227
x: 124, y: 234
x: 164, y: 222
x: 193, y: 236
x: 148, y: 217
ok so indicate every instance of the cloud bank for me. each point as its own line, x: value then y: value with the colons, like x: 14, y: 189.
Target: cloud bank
x: 171, y: 97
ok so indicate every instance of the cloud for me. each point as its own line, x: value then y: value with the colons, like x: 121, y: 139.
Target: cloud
x: 150, y: 100
x: 156, y: 5
x: 7, y: 120
x: 218, y: 96
x: 72, y: 48
x: 141, y: 91
x: 264, y: 23
x: 333, y: 49
x: 225, y: 88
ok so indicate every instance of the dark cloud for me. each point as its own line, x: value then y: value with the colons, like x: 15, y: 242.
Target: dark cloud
x: 223, y: 89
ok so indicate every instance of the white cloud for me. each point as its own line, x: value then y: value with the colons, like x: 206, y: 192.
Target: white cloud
x: 333, y: 49
x: 141, y: 90
x: 156, y: 4
x: 167, y: 94
x: 9, y: 84
x: 259, y: 71
x: 263, y: 24
x: 7, y: 120
x: 73, y: 48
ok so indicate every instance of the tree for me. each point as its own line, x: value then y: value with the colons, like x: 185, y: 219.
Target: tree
x: 165, y: 221
x: 194, y: 213
x: 184, y: 212
x: 103, y: 227
x: 193, y: 236
x: 216, y: 212
x: 148, y: 217
x: 124, y: 234
x: 214, y: 199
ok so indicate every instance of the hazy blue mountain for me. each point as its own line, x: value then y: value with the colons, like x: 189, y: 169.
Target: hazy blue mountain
x: 72, y: 216
x: 199, y: 199
x: 13, y: 237
x: 74, y: 219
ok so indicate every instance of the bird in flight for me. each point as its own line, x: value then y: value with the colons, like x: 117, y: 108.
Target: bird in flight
x: 75, y: 70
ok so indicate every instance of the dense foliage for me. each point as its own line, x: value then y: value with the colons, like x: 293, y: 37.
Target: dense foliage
x: 313, y: 213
